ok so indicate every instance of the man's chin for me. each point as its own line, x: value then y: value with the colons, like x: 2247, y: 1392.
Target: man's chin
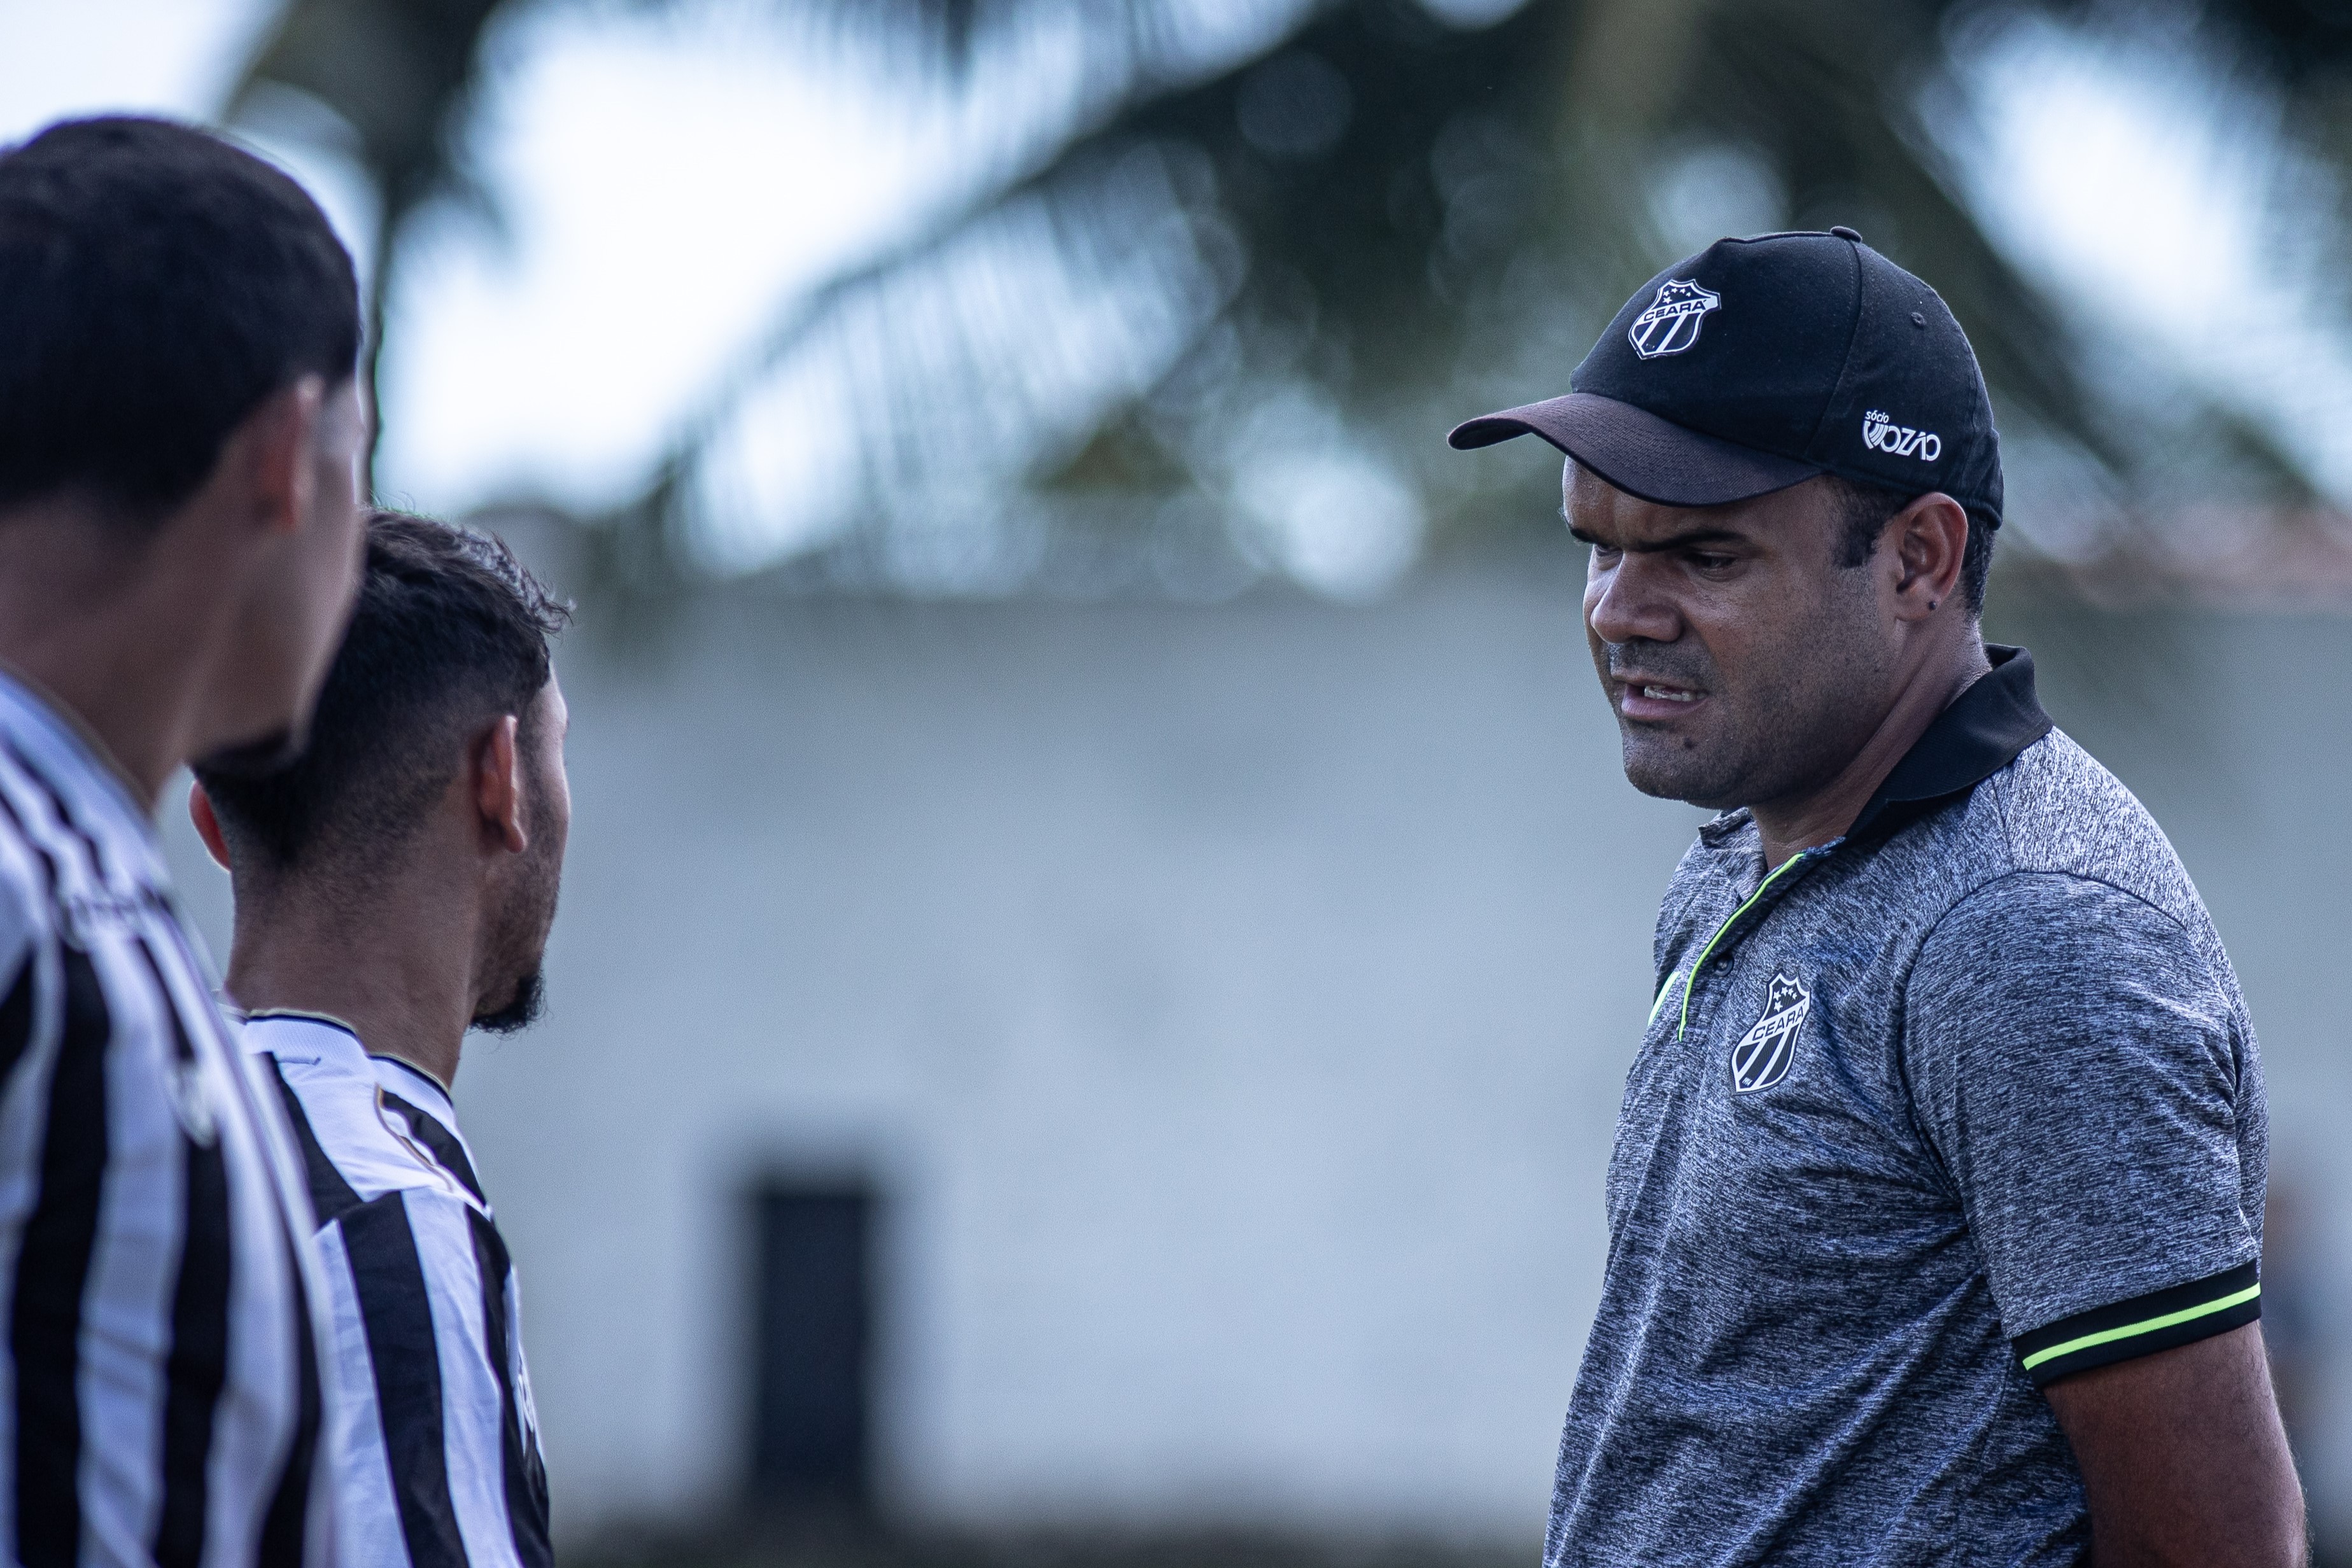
x: 1674, y: 768
x: 520, y: 1011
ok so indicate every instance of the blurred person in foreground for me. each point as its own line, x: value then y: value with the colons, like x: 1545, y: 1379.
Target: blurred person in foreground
x: 181, y: 444
x: 395, y: 889
x: 1937, y: 1202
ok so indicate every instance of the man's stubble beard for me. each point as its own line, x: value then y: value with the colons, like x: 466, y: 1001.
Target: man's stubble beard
x: 1716, y: 772
x: 522, y: 948
x: 1791, y: 723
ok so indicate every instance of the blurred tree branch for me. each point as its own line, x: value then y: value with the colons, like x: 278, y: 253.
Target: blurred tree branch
x: 1411, y: 220
x: 403, y: 75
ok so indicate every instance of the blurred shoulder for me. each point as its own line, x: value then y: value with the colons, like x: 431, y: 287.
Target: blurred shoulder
x: 26, y: 910
x: 27, y: 878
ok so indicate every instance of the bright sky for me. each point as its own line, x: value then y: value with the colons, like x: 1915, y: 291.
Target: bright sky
x: 2151, y: 199
x: 173, y: 55
x: 666, y: 185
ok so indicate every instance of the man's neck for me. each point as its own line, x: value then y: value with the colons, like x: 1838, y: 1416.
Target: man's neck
x: 103, y: 628
x: 1826, y: 811
x: 404, y: 985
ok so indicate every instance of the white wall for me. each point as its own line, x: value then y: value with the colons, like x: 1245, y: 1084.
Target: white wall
x: 1234, y: 1003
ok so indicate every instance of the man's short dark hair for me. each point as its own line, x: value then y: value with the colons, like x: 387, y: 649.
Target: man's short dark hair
x: 157, y: 285
x: 450, y: 632
x: 1868, y: 509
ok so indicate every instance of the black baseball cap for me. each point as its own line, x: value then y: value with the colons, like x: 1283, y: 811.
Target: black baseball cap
x: 1759, y: 363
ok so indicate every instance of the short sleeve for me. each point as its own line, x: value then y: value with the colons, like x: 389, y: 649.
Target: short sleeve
x: 2077, y: 1062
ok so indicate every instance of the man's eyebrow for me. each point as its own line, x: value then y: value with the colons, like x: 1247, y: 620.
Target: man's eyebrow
x: 1688, y: 540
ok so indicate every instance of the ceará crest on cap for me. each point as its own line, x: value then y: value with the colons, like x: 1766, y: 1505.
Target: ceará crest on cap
x: 1672, y: 322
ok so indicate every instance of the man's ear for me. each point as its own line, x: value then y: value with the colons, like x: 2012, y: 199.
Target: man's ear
x: 1931, y: 543
x: 274, y: 447
x: 208, y: 828
x: 495, y: 762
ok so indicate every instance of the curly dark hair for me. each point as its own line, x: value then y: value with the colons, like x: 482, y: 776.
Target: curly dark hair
x: 449, y: 632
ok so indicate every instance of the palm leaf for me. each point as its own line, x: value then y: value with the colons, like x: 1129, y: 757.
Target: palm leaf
x: 1393, y: 219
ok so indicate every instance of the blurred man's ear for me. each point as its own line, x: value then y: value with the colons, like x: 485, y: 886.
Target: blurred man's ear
x: 274, y: 450
x: 496, y: 765
x: 208, y: 828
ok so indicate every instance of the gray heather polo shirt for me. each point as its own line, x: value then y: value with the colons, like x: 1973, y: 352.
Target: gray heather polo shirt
x: 1958, y: 1104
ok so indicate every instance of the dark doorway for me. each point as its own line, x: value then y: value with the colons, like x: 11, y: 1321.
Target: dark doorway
x: 811, y: 1423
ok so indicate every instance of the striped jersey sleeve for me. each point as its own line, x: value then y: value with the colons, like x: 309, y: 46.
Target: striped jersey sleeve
x: 441, y: 1464
x: 161, y: 1386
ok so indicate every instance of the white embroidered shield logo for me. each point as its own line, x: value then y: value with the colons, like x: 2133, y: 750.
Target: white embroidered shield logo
x: 1671, y: 323
x: 1763, y: 1055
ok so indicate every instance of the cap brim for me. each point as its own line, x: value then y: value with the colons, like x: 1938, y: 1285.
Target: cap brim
x: 1641, y: 454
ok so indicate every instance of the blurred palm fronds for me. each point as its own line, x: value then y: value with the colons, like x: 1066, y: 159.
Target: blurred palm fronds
x: 1222, y: 308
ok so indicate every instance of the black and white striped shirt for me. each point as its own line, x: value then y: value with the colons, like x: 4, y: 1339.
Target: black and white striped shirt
x: 440, y: 1463
x: 160, y: 1383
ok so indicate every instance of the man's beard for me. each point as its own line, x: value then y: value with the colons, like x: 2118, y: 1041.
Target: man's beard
x: 522, y: 1010
x: 522, y: 945
x: 1789, y: 725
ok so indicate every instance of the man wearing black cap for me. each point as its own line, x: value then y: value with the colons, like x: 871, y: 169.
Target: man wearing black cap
x: 1936, y: 1206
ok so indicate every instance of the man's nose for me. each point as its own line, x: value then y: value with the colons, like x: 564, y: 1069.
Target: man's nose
x: 1628, y: 604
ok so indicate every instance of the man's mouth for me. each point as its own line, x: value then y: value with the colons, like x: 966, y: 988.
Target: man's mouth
x: 1656, y: 701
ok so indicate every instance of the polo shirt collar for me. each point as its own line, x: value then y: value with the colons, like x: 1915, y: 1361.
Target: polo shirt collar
x: 1978, y: 735
x: 292, y: 1034
x: 1981, y: 733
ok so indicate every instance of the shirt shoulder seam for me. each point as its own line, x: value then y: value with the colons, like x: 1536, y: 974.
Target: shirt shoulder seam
x: 422, y: 1173
x: 2017, y: 872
